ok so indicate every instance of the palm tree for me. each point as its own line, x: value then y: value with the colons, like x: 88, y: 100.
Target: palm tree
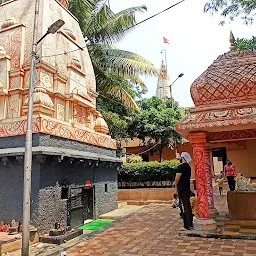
x: 102, y: 28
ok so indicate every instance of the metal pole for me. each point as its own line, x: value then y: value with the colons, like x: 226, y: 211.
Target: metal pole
x: 28, y: 143
x: 165, y: 61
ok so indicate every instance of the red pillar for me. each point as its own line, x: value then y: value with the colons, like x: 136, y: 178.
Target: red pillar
x: 198, y: 141
x: 208, y: 170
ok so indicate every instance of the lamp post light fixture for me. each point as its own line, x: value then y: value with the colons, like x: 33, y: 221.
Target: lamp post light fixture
x: 179, y: 76
x: 28, y: 143
x: 52, y: 29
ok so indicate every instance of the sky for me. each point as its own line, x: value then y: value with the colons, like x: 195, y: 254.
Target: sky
x: 196, y: 40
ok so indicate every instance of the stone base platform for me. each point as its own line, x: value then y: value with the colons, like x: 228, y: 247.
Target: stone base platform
x: 204, y: 224
x: 60, y: 239
x: 226, y: 229
x: 10, y: 243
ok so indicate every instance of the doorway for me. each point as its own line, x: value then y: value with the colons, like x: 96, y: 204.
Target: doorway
x: 219, y: 156
x: 80, y: 206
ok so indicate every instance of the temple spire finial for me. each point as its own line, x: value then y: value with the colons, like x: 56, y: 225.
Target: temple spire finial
x: 232, y: 41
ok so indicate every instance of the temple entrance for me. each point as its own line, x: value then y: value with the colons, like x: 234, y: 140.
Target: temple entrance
x: 219, y: 156
x: 80, y: 206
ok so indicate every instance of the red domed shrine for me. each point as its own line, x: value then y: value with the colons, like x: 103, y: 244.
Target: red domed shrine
x: 222, y: 125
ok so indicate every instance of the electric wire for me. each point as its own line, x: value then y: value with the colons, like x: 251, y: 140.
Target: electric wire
x: 102, y: 95
x: 153, y: 16
x: 68, y: 52
x: 147, y: 149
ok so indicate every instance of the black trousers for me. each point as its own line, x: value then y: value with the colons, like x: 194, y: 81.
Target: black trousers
x: 231, y: 183
x: 184, y: 196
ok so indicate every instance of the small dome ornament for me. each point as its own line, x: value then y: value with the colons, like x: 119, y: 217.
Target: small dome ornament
x: 9, y: 22
x: 64, y: 3
x: 230, y: 79
x: 101, y: 125
x: 41, y: 97
x: 76, y: 63
x: 232, y: 41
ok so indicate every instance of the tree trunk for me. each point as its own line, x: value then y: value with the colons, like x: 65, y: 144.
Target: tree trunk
x: 161, y: 153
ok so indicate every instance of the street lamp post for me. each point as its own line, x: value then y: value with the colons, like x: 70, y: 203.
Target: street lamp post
x: 179, y: 76
x: 28, y: 143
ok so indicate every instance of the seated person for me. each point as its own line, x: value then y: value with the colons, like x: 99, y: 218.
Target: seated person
x: 193, y: 202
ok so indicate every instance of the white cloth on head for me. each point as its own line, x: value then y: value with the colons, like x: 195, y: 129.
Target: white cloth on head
x: 186, y: 156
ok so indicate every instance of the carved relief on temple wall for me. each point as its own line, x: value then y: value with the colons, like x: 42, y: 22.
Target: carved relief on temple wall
x: 60, y: 88
x: 79, y: 114
x: 60, y: 109
x: 4, y: 71
x: 3, y: 102
x: 16, y: 81
x: 13, y: 108
x: 65, y: 88
x: 11, y: 40
x: 46, y: 80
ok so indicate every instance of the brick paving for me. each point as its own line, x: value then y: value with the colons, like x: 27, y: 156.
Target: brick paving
x: 153, y: 231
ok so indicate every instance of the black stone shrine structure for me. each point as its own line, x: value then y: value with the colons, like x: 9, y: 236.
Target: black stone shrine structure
x: 61, y: 168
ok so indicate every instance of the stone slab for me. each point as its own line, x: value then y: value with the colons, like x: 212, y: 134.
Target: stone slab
x: 120, y: 213
x: 56, y: 151
x: 60, y: 239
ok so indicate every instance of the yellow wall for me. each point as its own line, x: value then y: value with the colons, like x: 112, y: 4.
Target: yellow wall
x: 218, y: 165
x: 241, y: 153
x: 244, y: 160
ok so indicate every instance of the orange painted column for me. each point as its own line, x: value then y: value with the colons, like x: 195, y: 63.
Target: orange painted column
x: 208, y: 170
x: 198, y: 141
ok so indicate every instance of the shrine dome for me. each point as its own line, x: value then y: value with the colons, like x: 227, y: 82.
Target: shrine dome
x: 230, y: 79
x: 64, y: 3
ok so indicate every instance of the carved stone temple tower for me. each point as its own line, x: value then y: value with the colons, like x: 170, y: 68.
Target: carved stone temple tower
x: 163, y: 87
x: 71, y: 145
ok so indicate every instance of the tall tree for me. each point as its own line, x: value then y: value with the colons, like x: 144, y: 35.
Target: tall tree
x: 156, y: 120
x: 246, y: 9
x: 102, y: 28
x: 118, y: 117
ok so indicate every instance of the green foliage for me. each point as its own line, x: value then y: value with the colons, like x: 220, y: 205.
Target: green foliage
x: 132, y: 159
x: 148, y: 171
x: 156, y: 120
x: 232, y: 9
x: 187, y: 112
x: 117, y: 115
x: 118, y: 118
x: 117, y: 126
x: 100, y: 24
x: 246, y: 44
x: 116, y: 70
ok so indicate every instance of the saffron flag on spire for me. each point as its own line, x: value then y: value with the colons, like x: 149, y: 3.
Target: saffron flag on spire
x: 166, y: 41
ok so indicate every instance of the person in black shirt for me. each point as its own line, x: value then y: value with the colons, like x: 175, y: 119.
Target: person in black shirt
x: 182, y: 181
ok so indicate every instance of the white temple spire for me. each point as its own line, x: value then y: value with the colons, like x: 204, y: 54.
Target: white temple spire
x: 163, y: 87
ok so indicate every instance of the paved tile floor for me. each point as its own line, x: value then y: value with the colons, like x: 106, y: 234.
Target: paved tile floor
x: 153, y: 231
